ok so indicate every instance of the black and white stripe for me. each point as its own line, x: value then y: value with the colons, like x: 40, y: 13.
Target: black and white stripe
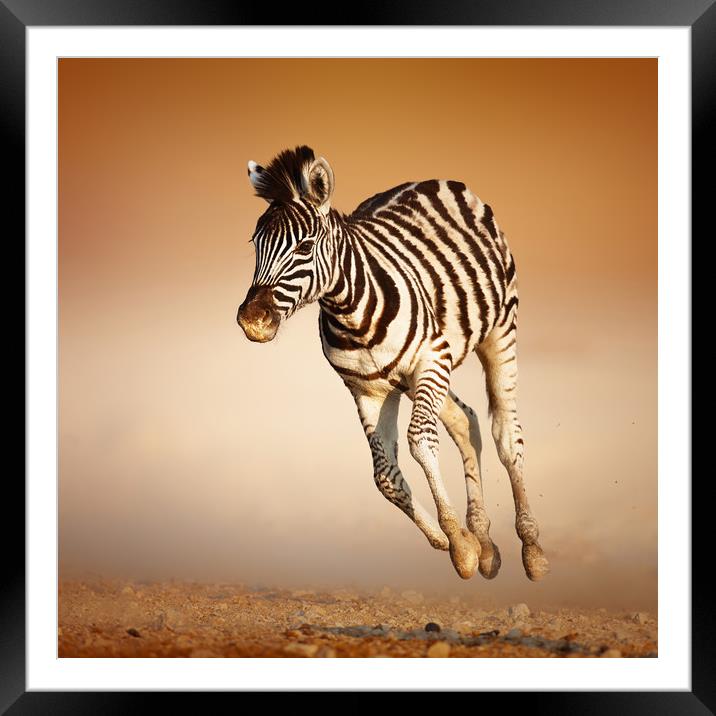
x: 412, y: 282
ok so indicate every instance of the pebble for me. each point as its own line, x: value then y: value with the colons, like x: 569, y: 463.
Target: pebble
x: 174, y: 617
x: 133, y: 632
x: 514, y: 634
x: 519, y: 611
x: 432, y: 626
x: 364, y: 630
x: 640, y: 618
x: 464, y: 626
x: 307, y: 650
x: 439, y: 650
x: 611, y: 654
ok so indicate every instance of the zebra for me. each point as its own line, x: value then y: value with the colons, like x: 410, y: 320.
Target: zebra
x: 409, y: 284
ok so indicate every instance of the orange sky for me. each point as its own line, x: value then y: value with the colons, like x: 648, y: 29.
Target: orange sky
x: 187, y: 451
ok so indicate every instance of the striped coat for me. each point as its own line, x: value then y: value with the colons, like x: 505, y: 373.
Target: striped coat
x: 410, y: 284
x: 427, y: 263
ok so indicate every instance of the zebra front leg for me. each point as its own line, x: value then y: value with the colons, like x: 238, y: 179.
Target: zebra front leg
x: 379, y: 416
x: 498, y: 357
x: 460, y: 420
x: 428, y: 396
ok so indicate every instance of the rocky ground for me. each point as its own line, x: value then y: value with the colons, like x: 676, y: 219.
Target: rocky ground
x: 102, y: 618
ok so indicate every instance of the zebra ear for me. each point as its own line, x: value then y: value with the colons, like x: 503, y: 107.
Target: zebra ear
x: 257, y: 180
x: 319, y: 184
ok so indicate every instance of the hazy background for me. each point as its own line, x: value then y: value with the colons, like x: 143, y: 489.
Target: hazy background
x: 186, y: 451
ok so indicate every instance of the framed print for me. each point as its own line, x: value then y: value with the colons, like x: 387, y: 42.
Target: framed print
x: 200, y: 509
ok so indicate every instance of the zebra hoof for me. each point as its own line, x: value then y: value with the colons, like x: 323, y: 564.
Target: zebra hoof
x: 490, y: 562
x: 534, y: 561
x: 464, y: 553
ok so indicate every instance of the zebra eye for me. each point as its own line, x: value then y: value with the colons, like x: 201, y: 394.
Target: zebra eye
x: 305, y: 247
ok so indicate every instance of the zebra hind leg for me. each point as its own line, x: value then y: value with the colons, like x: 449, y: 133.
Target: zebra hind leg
x: 498, y: 356
x: 460, y: 420
x: 379, y: 417
x: 428, y: 397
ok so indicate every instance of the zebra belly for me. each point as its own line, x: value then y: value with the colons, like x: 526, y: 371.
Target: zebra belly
x: 369, y: 371
x: 377, y: 370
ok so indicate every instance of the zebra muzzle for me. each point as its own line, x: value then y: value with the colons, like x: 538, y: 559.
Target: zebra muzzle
x: 257, y: 315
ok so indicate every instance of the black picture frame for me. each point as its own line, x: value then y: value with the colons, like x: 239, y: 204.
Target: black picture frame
x: 17, y: 15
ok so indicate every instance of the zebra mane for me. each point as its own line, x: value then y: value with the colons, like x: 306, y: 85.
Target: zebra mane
x: 284, y: 178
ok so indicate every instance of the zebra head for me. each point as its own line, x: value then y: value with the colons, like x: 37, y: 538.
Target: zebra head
x: 292, y: 240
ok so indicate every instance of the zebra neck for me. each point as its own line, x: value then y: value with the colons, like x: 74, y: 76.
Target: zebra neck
x: 342, y: 299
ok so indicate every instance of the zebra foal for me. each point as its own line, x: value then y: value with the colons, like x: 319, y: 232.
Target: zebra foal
x: 409, y: 284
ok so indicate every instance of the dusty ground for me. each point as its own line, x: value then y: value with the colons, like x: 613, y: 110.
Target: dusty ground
x: 102, y: 618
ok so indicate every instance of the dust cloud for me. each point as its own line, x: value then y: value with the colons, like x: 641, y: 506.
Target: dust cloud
x: 187, y: 452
